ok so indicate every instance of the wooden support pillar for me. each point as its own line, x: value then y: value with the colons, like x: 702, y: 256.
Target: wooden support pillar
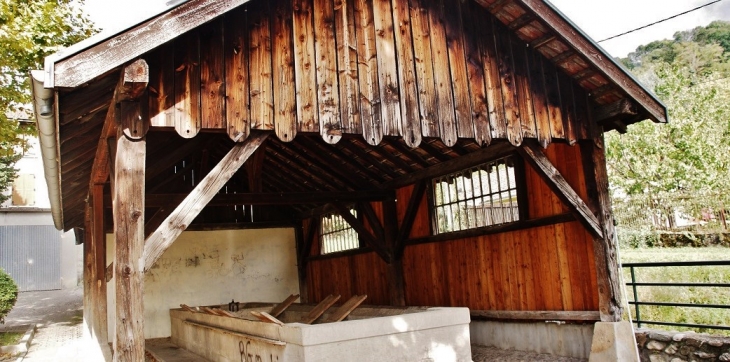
x: 87, y: 273
x: 396, y: 285
x: 129, y: 166
x: 128, y: 208
x: 301, y: 263
x: 604, y: 248
x: 99, y: 245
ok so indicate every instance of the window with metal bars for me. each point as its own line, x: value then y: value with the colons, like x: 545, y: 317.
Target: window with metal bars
x: 336, y: 234
x: 479, y: 196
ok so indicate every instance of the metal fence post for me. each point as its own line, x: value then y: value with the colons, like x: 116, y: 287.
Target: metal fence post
x: 636, y: 297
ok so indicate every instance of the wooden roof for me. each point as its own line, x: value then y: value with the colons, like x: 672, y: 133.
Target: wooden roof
x: 360, y: 95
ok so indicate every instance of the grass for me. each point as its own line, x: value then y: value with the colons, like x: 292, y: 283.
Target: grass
x: 10, y: 338
x: 697, y: 295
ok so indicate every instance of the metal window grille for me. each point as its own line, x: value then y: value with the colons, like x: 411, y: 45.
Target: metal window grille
x: 479, y: 196
x: 337, y: 235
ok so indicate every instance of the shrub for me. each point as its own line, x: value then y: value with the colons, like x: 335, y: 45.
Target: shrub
x: 8, y: 294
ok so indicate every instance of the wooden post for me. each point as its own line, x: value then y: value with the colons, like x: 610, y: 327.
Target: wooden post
x: 129, y: 181
x: 396, y: 288
x: 605, y: 248
x: 87, y: 273
x: 99, y: 246
x: 301, y: 262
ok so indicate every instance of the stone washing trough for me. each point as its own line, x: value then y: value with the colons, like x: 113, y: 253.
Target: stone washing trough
x: 368, y: 334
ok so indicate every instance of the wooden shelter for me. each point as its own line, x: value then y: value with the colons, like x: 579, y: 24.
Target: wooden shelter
x: 240, y: 114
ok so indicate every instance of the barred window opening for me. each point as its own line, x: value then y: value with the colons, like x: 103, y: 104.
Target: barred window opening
x: 336, y: 234
x: 480, y: 196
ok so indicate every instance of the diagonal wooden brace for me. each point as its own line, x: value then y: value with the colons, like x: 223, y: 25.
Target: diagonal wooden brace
x: 194, y: 203
x: 547, y: 171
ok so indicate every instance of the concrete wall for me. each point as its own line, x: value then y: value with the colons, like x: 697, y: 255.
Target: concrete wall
x: 213, y: 267
x: 569, y: 340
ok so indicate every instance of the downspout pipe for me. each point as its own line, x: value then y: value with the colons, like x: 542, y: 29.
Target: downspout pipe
x: 45, y: 115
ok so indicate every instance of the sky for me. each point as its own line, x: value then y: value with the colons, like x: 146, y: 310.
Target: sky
x: 599, y: 19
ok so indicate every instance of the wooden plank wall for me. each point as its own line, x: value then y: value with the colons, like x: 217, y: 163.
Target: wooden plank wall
x: 542, y: 268
x: 414, y: 69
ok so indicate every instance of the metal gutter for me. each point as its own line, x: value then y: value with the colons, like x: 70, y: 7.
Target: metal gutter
x: 45, y: 113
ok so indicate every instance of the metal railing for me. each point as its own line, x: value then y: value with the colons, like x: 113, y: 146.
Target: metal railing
x: 637, y: 303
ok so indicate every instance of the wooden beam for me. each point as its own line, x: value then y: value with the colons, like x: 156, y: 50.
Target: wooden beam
x: 596, y: 57
x: 308, y: 240
x: 186, y: 212
x: 132, y: 83
x: 99, y: 246
x: 616, y: 110
x: 604, y: 248
x: 496, y: 150
x: 552, y: 177
x: 536, y: 315
x: 372, y: 218
x: 275, y: 198
x: 362, y: 231
x: 411, y: 211
x: 301, y: 262
x: 75, y: 68
x: 394, y: 268
x: 494, y: 229
x: 129, y: 237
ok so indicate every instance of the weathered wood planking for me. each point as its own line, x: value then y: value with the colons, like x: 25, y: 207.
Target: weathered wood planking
x: 285, y: 121
x: 347, y: 59
x: 443, y: 91
x: 377, y: 68
x: 260, y: 66
x: 370, y: 102
x: 505, y: 64
x: 162, y: 87
x: 187, y: 84
x: 387, y: 68
x: 421, y: 33
x: 410, y: 123
x: 477, y: 85
x: 307, y: 117
x: 328, y: 96
x: 212, y: 85
x: 457, y: 66
x: 236, y: 71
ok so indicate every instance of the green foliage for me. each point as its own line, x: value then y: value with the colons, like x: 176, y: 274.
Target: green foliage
x: 683, y: 166
x: 8, y: 294
x: 30, y: 30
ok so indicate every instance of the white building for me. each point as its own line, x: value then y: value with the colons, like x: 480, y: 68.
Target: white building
x: 32, y: 251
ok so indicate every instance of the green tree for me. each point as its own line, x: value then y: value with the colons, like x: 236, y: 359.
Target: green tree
x: 683, y: 165
x: 30, y: 30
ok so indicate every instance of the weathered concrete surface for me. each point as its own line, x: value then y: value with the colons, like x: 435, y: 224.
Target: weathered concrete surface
x: 436, y: 334
x: 612, y: 342
x: 214, y: 267
x: 566, y: 340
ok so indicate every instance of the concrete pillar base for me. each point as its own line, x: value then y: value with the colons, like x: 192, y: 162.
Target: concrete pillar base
x: 613, y: 341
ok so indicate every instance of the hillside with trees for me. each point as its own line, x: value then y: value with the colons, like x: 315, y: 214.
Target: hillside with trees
x: 679, y: 170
